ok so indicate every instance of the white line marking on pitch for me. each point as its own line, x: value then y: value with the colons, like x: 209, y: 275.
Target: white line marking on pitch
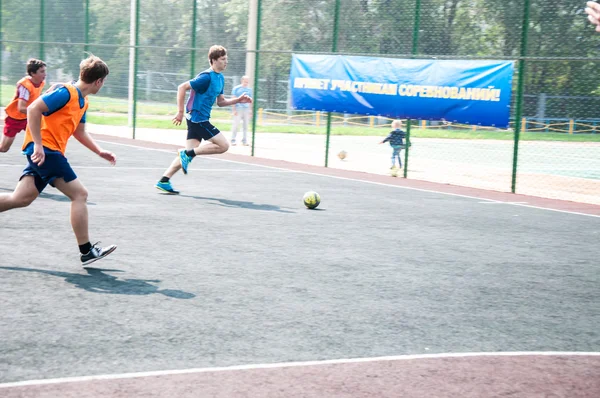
x: 291, y: 365
x: 367, y: 182
x: 503, y: 203
x: 162, y: 168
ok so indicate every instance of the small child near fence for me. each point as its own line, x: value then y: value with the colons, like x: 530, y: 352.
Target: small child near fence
x: 396, y: 140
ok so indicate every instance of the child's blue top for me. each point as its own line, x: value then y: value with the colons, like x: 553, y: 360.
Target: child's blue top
x: 241, y: 90
x: 396, y: 137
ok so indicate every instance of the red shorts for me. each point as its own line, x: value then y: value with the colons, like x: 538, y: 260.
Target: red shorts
x: 12, y: 127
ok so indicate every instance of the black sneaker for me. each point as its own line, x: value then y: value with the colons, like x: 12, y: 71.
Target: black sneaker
x: 96, y: 253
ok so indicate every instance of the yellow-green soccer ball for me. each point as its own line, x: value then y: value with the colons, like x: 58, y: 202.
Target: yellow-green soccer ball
x: 311, y: 199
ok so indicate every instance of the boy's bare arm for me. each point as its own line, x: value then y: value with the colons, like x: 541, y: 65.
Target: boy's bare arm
x: 244, y: 98
x: 22, y: 106
x: 182, y: 89
x: 87, y: 141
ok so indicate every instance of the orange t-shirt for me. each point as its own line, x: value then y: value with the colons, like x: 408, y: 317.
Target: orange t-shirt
x: 59, y: 126
x: 12, y: 109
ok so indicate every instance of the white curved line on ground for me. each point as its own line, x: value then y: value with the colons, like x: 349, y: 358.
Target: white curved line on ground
x: 295, y: 364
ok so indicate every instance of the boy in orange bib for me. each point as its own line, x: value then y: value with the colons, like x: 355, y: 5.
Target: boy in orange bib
x: 28, y: 90
x: 52, y: 120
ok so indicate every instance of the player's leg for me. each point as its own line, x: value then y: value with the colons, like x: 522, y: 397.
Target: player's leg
x: 6, y: 143
x: 11, y: 129
x: 196, y: 133
x: 194, y: 138
x: 164, y: 184
x: 393, y: 159
x: 217, y: 144
x: 25, y: 193
x: 175, y: 166
x: 398, y: 154
x: 78, y: 194
x: 245, y: 119
x: 235, y: 126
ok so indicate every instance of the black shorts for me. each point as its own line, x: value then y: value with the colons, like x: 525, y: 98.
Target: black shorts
x: 55, y: 166
x: 201, y: 131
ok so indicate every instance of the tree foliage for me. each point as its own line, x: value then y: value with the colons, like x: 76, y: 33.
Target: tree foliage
x: 447, y: 28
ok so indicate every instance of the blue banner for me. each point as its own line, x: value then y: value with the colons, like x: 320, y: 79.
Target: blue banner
x: 473, y: 92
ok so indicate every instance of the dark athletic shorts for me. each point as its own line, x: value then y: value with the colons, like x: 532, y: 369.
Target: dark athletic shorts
x: 55, y: 166
x: 201, y: 131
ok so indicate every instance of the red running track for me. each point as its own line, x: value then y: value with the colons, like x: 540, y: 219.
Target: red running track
x: 573, y: 375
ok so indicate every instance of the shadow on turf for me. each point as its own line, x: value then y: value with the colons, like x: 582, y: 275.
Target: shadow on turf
x: 241, y: 204
x: 51, y: 196
x: 96, y: 281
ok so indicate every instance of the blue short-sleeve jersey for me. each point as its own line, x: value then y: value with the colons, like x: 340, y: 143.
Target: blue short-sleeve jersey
x: 206, y: 87
x: 58, y: 98
x: 241, y: 90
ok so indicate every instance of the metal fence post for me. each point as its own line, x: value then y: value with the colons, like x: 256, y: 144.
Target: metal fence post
x: 1, y: 47
x: 336, y: 22
x: 133, y: 62
x: 256, y: 74
x: 86, y: 47
x: 415, y: 50
x: 519, y: 110
x: 407, y: 146
x: 416, y: 27
x: 193, y: 54
x: 42, y: 38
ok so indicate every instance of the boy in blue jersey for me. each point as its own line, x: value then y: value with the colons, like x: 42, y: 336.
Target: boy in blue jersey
x: 241, y: 111
x: 396, y: 140
x: 205, y: 89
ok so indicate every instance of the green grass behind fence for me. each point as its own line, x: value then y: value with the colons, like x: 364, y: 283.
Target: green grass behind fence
x: 225, y: 125
x: 113, y: 111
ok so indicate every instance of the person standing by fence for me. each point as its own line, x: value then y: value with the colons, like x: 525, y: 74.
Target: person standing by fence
x: 241, y: 111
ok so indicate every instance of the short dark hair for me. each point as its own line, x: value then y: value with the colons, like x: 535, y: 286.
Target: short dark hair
x: 216, y: 52
x: 33, y: 65
x: 92, y: 68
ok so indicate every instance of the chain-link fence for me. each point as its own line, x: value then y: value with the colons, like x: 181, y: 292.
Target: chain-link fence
x: 552, y: 148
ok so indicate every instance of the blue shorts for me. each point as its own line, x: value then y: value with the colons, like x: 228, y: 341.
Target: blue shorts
x: 55, y: 166
x: 201, y: 131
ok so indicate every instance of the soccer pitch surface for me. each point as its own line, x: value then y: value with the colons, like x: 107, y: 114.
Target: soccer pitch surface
x: 233, y: 288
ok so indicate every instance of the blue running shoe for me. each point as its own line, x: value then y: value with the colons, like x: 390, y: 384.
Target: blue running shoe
x: 166, y: 187
x: 185, y: 160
